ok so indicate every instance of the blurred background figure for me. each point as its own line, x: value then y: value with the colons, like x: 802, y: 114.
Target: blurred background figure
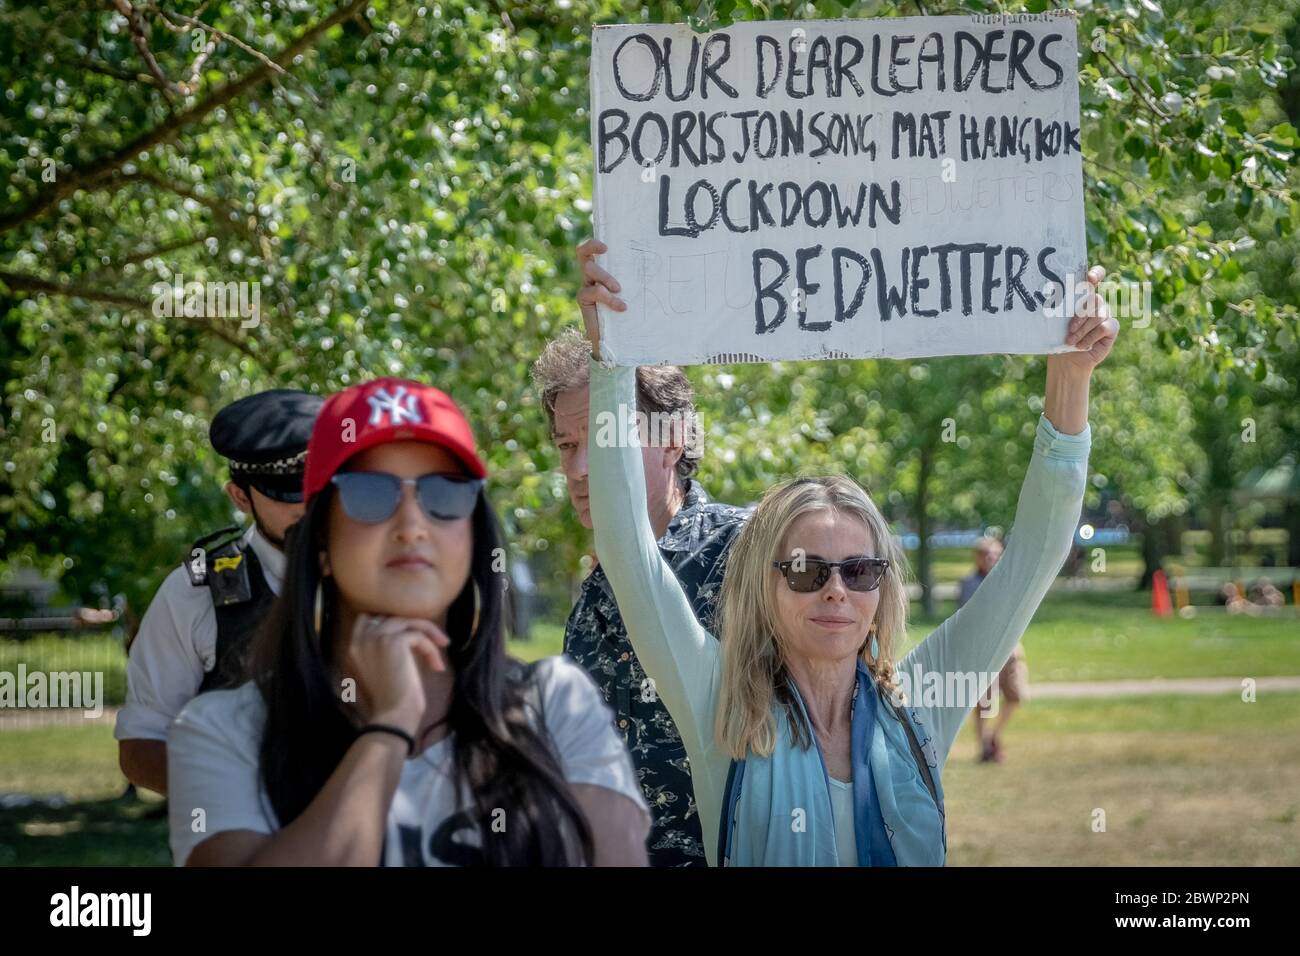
x: 1264, y: 594
x: 1231, y: 597
x: 1013, y: 681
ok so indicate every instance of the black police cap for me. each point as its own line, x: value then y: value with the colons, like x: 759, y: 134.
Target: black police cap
x: 266, y: 433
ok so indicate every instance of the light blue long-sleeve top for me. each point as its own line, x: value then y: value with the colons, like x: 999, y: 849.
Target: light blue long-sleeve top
x: 685, y: 662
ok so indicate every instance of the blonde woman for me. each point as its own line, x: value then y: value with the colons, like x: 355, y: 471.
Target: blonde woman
x: 799, y: 753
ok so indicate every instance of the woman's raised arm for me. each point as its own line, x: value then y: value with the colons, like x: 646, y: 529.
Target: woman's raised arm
x: 1092, y: 331
x: 965, y: 652
x: 678, y: 655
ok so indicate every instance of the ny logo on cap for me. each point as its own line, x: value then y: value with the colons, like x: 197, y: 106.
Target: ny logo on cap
x: 399, y: 407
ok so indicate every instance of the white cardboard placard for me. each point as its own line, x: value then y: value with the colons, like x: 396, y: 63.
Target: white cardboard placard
x: 756, y: 184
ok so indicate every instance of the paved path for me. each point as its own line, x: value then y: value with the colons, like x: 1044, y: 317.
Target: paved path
x: 1141, y: 688
x: 1043, y: 690
x: 12, y: 718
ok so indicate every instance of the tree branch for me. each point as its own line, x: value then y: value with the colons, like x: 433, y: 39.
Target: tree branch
x: 1132, y: 81
x: 150, y: 253
x: 135, y: 21
x: 1120, y: 174
x: 192, y: 84
x: 227, y: 216
x: 107, y: 167
x: 105, y: 70
x: 229, y: 38
x: 41, y: 286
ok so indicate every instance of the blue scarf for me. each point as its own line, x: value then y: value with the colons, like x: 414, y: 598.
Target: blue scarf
x: 781, y: 804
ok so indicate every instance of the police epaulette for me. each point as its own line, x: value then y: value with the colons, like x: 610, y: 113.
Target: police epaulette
x: 196, y: 565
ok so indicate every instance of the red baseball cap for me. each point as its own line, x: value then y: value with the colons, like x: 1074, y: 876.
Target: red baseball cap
x: 380, y: 411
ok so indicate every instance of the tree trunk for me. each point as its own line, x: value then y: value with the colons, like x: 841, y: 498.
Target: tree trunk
x: 1173, y: 528
x: 1291, y: 521
x: 1160, y: 539
x: 1217, y: 524
x: 1215, y: 430
x: 1153, y: 552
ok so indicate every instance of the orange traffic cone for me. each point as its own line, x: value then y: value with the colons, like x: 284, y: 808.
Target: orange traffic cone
x: 1160, y: 595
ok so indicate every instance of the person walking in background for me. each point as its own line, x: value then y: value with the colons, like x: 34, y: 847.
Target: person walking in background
x: 1013, y: 680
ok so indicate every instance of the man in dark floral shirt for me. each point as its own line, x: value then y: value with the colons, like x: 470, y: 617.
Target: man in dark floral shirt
x: 694, y: 534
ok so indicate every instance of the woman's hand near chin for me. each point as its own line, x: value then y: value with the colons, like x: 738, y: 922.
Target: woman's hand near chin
x: 386, y: 656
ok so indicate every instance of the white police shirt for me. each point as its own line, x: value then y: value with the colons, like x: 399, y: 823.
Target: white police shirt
x: 213, y: 765
x: 176, y: 646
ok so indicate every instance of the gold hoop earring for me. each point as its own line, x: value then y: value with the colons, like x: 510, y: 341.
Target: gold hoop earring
x: 319, y: 608
x: 473, y: 628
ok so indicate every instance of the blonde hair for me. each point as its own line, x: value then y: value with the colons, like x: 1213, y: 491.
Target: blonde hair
x: 753, y: 650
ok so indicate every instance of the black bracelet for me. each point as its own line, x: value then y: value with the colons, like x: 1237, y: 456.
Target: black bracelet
x: 390, y: 729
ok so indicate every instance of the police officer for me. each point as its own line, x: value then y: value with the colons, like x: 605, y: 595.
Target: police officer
x: 195, y: 631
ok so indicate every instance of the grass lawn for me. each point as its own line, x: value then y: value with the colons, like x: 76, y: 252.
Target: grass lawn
x: 1114, y: 636
x: 1183, y: 781
x: 94, y: 828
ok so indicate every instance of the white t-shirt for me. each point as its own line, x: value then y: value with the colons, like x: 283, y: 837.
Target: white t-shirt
x: 212, y: 765
x: 846, y: 842
x: 176, y: 646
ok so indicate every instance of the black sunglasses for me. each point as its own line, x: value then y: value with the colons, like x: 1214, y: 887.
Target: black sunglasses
x: 284, y: 488
x: 373, y: 496
x: 811, y: 574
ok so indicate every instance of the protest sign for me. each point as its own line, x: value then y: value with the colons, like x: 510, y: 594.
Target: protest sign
x: 838, y: 188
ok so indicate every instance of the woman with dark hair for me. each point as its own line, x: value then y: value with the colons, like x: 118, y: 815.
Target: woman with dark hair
x: 384, y: 722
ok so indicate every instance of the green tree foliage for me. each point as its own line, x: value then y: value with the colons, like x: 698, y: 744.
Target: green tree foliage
x: 404, y: 182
